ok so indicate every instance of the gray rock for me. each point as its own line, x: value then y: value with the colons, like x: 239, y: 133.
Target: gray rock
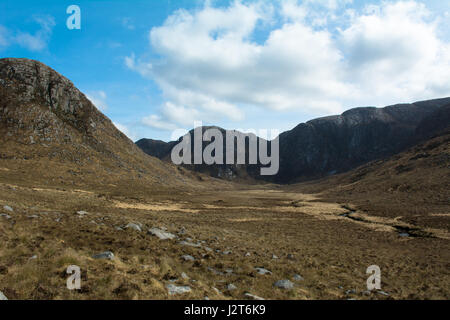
x: 118, y: 228
x: 7, y: 216
x: 263, y: 271
x: 231, y: 287
x: 248, y: 254
x: 189, y: 239
x: 226, y: 253
x: 252, y: 296
x: 189, y: 244
x: 133, y: 226
x: 33, y: 257
x: 187, y: 257
x: 82, y: 213
x: 2, y: 296
x: 173, y: 289
x: 208, y: 249
x: 274, y: 257
x: 383, y: 293
x: 104, y: 255
x: 284, y: 284
x: 8, y: 208
x: 298, y: 277
x: 161, y: 234
x: 352, y: 291
x: 290, y: 256
x: 184, y: 276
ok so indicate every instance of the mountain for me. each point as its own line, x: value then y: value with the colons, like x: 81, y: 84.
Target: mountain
x: 411, y: 186
x: 50, y: 131
x: 335, y: 144
x: 162, y: 150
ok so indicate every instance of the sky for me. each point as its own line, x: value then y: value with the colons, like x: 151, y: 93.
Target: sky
x: 156, y: 66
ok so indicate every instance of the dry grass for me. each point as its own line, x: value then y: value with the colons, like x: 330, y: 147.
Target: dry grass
x: 330, y: 251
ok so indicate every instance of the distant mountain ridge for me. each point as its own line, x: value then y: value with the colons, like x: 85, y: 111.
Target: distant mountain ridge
x: 335, y: 144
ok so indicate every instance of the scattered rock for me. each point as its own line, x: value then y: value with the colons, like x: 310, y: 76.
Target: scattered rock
x: 189, y: 244
x: 7, y: 216
x: 215, y: 271
x: 133, y: 226
x: 229, y: 271
x: 161, y: 234
x: 33, y: 216
x: 226, y: 253
x: 217, y: 291
x: 263, y: 271
x: 118, y: 228
x: 248, y: 254
x: 290, y: 256
x: 189, y: 239
x: 284, y: 284
x: 187, y: 257
x: 8, y: 208
x: 33, y: 257
x: 352, y: 291
x: 82, y: 213
x: 206, y: 298
x: 252, y: 296
x: 208, y: 249
x: 383, y: 293
x: 231, y: 287
x: 104, y: 255
x: 184, y: 276
x: 2, y: 296
x: 173, y: 289
x: 298, y: 277
x: 274, y: 257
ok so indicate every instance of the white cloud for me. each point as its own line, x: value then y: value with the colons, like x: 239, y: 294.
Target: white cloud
x: 33, y: 42
x: 211, y: 68
x: 39, y: 40
x: 393, y: 51
x: 156, y: 121
x: 98, y: 98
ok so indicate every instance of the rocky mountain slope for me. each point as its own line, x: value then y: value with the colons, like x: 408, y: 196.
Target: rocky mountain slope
x: 411, y: 186
x: 162, y: 150
x: 50, y: 131
x: 337, y: 144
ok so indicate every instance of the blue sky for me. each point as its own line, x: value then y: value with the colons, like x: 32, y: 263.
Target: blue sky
x: 154, y: 66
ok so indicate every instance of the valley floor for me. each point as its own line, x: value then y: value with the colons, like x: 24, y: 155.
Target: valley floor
x: 228, y: 234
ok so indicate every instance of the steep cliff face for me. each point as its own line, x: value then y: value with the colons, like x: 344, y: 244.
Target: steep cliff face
x: 162, y: 150
x: 44, y: 117
x: 337, y: 144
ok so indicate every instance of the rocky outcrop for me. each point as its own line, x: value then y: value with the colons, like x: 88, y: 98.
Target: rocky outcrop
x: 340, y: 143
x: 44, y: 118
x: 336, y: 144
